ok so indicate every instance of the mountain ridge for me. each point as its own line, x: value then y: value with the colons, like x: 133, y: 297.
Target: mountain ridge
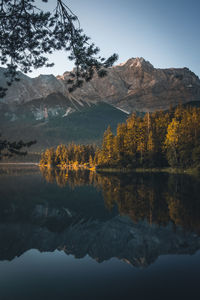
x: 137, y: 86
x: 132, y: 85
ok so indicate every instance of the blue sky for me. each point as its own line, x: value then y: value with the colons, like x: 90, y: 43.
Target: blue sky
x: 166, y: 33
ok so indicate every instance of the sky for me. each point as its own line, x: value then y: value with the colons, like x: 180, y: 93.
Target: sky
x: 164, y: 32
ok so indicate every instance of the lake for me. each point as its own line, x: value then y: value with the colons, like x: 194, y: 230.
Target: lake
x: 83, y: 235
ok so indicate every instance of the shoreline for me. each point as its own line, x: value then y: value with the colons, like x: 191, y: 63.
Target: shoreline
x: 189, y: 171
x: 169, y: 170
x: 19, y: 164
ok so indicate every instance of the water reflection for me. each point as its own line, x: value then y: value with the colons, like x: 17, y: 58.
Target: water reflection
x: 157, y: 198
x: 72, y: 178
x: 134, y: 217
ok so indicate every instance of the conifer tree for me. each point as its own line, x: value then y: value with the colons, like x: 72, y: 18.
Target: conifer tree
x: 171, y: 142
x: 107, y: 146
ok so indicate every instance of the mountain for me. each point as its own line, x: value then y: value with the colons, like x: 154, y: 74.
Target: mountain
x: 137, y: 244
x: 137, y: 86
x: 132, y: 86
x: 41, y: 108
x: 27, y: 89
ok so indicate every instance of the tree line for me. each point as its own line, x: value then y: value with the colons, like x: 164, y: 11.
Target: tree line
x: 68, y: 155
x: 158, y: 139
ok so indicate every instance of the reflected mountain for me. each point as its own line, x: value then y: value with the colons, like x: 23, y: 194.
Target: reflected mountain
x: 134, y: 217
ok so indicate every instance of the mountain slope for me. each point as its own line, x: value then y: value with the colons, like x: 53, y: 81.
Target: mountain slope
x: 82, y: 126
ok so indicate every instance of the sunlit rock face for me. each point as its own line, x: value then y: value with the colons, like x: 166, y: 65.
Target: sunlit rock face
x: 137, y: 86
x: 27, y: 89
x: 132, y: 86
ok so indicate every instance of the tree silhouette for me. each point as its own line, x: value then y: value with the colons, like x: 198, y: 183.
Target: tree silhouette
x: 27, y: 34
x: 8, y: 149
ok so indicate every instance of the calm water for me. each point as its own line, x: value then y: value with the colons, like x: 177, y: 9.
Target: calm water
x: 80, y: 235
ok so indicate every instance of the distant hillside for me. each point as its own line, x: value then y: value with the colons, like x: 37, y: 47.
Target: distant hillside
x: 85, y: 126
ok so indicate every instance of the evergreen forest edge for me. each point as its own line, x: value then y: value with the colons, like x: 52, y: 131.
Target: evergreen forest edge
x: 156, y: 140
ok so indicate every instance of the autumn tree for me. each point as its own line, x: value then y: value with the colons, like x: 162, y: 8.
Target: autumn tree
x: 183, y: 137
x: 107, y: 146
x: 158, y: 140
x: 61, y: 155
x: 172, y: 141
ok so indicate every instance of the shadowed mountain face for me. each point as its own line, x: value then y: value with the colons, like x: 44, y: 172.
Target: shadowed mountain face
x: 135, y: 218
x: 58, y: 123
x: 138, y: 244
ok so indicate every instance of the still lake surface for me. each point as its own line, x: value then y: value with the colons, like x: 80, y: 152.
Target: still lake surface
x: 81, y: 235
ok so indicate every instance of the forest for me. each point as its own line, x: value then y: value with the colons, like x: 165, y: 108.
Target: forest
x: 154, y: 140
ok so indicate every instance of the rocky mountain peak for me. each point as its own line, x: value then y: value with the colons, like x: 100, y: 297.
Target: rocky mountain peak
x: 134, y: 85
x: 136, y: 63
